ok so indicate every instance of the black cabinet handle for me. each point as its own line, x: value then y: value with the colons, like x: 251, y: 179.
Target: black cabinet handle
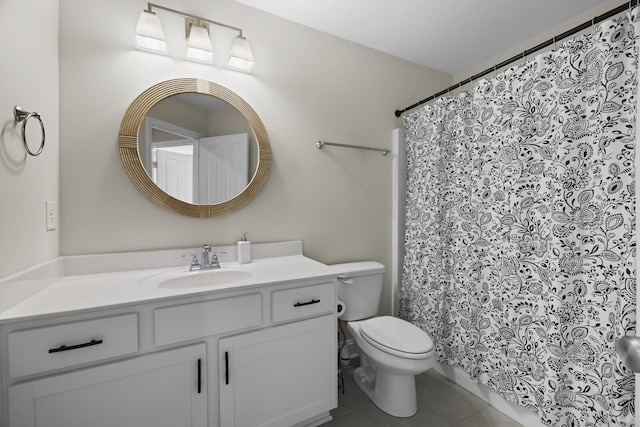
x: 65, y: 347
x: 300, y: 304
x: 199, y: 376
x: 226, y: 367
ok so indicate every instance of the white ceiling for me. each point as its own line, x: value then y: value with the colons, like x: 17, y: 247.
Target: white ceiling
x: 448, y: 35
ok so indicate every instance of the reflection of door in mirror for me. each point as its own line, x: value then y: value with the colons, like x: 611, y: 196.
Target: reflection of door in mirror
x: 173, y: 171
x: 170, y: 158
x: 193, y: 168
x: 223, y: 166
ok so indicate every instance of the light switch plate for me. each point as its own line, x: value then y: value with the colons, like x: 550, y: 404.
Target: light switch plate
x: 52, y: 215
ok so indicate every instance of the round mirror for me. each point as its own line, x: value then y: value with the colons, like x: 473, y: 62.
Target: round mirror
x: 195, y: 148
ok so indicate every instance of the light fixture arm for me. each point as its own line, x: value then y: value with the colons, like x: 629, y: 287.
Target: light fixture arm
x: 151, y: 6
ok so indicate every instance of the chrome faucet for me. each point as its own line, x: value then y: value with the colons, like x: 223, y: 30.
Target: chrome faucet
x: 206, y: 249
x: 214, y: 264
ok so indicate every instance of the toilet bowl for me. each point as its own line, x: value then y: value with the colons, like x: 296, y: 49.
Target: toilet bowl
x: 392, y: 351
x: 389, y: 362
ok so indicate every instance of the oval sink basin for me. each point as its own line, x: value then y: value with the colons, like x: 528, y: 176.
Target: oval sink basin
x: 198, y: 279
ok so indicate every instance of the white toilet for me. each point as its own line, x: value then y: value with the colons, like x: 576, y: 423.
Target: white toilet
x: 392, y: 351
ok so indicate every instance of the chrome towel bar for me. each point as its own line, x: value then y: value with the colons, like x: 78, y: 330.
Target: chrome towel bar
x: 321, y: 144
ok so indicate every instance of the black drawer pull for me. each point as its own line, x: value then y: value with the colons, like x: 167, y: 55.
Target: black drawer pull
x: 64, y: 347
x: 199, y: 376
x: 226, y: 367
x: 300, y: 304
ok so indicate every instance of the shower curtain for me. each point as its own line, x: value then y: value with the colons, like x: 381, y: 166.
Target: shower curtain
x: 520, y: 228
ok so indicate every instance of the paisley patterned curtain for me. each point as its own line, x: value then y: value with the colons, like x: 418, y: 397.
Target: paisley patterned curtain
x: 520, y: 234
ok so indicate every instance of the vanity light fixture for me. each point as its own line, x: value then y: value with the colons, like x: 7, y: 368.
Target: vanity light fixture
x: 150, y: 36
x: 241, y: 57
x: 149, y: 33
x: 199, y: 47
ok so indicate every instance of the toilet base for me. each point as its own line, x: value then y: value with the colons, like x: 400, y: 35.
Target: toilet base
x: 394, y: 394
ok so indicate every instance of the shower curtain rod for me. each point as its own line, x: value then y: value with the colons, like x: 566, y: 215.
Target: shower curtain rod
x: 527, y: 52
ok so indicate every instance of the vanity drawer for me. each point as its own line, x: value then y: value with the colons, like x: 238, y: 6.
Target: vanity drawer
x: 202, y: 319
x: 53, y: 347
x: 303, y: 302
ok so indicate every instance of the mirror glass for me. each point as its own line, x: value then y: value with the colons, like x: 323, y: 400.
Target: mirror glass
x: 195, y: 147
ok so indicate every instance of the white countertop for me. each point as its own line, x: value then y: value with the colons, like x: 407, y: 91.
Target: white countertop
x: 28, y: 298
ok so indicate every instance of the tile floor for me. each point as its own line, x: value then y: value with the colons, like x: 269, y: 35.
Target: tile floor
x: 441, y: 403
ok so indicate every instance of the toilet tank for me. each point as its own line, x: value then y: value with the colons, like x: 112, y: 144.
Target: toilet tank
x: 359, y: 287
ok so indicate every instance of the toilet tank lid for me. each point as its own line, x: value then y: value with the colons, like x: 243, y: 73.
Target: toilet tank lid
x: 361, y: 268
x: 397, y: 334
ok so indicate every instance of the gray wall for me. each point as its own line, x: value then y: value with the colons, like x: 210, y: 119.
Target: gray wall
x: 306, y: 86
x: 29, y: 78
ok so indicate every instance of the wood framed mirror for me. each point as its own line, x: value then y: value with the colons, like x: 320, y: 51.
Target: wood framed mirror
x: 189, y: 171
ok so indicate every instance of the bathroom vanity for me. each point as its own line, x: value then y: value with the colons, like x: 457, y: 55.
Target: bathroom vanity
x: 162, y: 346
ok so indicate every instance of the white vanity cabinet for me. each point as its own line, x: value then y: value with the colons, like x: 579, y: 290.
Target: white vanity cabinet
x: 99, y: 370
x: 260, y: 355
x: 282, y: 369
x: 278, y: 376
x: 162, y: 389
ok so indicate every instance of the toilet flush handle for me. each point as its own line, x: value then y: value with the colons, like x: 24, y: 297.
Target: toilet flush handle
x: 346, y: 280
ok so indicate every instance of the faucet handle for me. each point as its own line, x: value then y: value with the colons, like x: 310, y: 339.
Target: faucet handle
x: 214, y: 261
x: 195, y: 265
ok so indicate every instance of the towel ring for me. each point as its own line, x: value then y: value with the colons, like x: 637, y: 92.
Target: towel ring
x: 24, y: 116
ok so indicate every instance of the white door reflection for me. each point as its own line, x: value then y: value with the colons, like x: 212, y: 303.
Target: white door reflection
x: 194, y: 168
x: 223, y: 167
x: 173, y: 171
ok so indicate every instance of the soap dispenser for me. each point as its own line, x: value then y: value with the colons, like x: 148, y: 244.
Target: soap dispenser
x: 244, y: 250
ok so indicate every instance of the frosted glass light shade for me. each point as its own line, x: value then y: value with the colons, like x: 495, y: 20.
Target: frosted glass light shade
x: 199, y: 46
x: 149, y: 33
x: 241, y: 58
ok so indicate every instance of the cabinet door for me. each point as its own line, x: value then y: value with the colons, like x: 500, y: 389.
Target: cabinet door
x: 160, y: 389
x: 279, y: 376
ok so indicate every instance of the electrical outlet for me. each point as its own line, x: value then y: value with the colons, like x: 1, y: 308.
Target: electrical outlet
x: 52, y: 215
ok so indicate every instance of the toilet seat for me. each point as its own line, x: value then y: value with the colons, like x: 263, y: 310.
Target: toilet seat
x: 397, y: 337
